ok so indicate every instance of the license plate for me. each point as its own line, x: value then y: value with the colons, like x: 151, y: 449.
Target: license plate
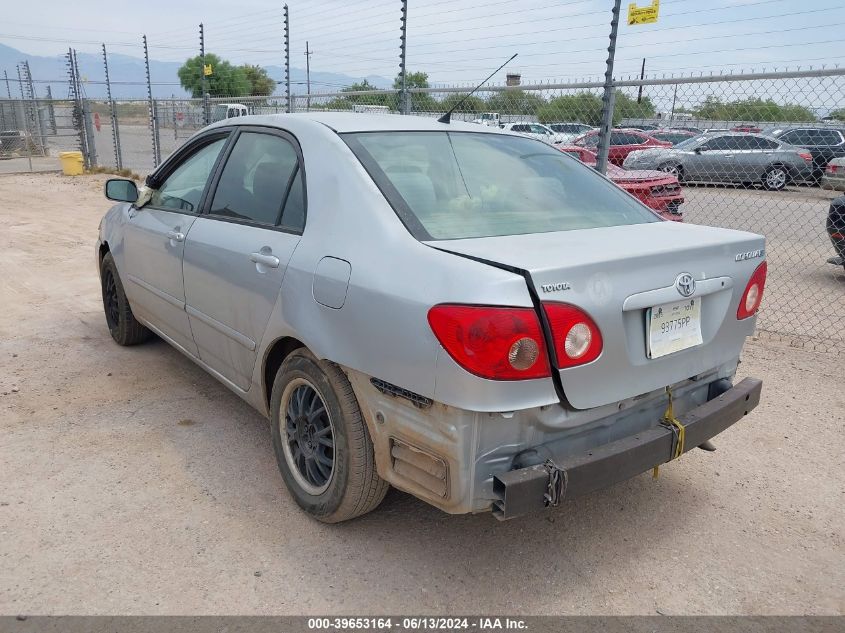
x: 673, y: 327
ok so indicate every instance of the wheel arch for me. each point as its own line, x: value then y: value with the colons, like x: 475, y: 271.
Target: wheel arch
x: 104, y: 248
x: 276, y: 354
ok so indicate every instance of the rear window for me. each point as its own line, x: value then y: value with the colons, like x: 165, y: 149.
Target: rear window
x: 452, y: 185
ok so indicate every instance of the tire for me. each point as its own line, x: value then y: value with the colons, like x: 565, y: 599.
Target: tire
x: 315, y: 417
x: 123, y: 326
x: 775, y: 178
x: 676, y: 170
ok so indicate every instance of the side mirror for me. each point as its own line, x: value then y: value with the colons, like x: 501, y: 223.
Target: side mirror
x: 697, y: 150
x: 121, y: 190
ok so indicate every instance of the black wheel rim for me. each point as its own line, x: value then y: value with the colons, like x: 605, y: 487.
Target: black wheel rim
x: 110, y: 300
x: 309, y: 438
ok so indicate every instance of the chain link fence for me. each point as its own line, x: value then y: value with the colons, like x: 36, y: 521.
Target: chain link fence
x: 746, y: 152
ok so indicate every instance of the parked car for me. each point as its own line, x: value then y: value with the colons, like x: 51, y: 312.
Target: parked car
x: 655, y: 189
x: 747, y: 128
x: 834, y: 175
x: 622, y: 143
x: 534, y: 130
x: 672, y: 136
x: 733, y: 157
x: 569, y: 128
x: 463, y: 313
x: 228, y: 111
x: 835, y: 226
x: 824, y: 143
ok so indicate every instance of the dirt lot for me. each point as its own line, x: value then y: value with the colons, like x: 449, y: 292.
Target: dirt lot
x: 133, y: 483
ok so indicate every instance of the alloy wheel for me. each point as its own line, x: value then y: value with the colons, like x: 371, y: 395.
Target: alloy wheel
x: 307, y: 436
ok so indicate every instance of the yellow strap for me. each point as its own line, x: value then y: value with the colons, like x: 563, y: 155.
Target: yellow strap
x: 669, y: 418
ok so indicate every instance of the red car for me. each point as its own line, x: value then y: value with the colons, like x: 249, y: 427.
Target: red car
x: 622, y: 143
x: 655, y: 189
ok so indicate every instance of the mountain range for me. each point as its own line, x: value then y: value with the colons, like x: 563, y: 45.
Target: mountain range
x: 128, y: 78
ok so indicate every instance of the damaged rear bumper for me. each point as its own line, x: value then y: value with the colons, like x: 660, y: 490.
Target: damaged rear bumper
x: 536, y: 486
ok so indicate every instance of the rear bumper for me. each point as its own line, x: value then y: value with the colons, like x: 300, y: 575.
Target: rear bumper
x: 537, y: 486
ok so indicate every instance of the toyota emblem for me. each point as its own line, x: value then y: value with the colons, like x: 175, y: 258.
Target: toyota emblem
x: 685, y: 283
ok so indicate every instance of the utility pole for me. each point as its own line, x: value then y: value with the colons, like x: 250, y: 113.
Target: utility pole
x: 403, y: 95
x: 115, y: 134
x: 203, y: 86
x: 642, y: 77
x: 609, y: 96
x: 287, y: 61
x: 308, y: 54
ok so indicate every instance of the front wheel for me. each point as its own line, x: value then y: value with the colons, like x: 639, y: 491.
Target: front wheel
x: 123, y: 326
x: 775, y: 178
x: 320, y: 438
x: 674, y: 170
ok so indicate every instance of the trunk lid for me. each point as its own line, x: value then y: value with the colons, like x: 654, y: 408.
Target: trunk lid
x: 615, y: 274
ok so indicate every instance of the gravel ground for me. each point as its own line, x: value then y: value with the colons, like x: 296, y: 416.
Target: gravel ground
x: 134, y: 483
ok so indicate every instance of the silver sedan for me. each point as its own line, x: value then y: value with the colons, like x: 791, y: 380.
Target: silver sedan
x: 740, y: 157
x: 469, y: 315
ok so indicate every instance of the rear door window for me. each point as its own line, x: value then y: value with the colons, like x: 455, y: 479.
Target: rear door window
x: 256, y: 179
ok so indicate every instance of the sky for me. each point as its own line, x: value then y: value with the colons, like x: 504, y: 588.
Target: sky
x: 454, y: 41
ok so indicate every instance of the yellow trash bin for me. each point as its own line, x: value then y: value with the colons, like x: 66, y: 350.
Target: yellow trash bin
x: 72, y: 164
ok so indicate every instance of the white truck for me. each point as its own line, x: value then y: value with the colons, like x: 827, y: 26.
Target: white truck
x: 227, y: 111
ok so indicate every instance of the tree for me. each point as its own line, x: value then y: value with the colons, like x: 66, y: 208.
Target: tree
x: 838, y: 114
x: 261, y: 85
x: 515, y: 101
x: 377, y: 97
x: 225, y: 80
x: 472, y: 104
x: 628, y: 108
x: 582, y: 107
x: 752, y: 109
x: 420, y: 101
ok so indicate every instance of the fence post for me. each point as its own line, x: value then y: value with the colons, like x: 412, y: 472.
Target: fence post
x: 76, y: 112
x: 403, y: 95
x: 51, y: 109
x: 150, y: 105
x: 89, y: 148
x: 35, y: 115
x: 203, y: 85
x: 11, y: 103
x: 287, y: 60
x: 27, y: 138
x: 609, y: 96
x: 115, y: 133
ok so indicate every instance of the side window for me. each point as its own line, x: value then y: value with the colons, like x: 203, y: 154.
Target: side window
x: 764, y: 143
x: 826, y: 137
x: 183, y: 188
x: 591, y: 141
x: 520, y: 128
x: 293, y: 215
x: 795, y: 137
x: 255, y: 179
x: 720, y: 142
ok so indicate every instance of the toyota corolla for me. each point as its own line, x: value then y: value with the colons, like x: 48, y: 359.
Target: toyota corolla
x: 468, y: 315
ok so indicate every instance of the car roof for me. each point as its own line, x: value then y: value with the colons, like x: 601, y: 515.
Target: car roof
x: 359, y: 122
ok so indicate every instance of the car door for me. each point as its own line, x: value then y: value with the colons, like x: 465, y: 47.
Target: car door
x: 237, y: 252
x: 154, y: 238
x: 710, y: 161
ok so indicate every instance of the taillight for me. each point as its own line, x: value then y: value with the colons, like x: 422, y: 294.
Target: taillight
x: 492, y: 342
x: 831, y: 169
x: 807, y: 156
x: 753, y: 295
x: 576, y: 336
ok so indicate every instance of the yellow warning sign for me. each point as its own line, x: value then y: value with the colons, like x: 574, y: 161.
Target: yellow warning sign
x: 643, y: 15
x: 206, y: 70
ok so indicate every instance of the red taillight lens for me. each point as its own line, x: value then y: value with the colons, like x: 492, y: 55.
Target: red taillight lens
x: 492, y: 342
x: 806, y: 156
x: 577, y: 337
x: 753, y: 295
x: 831, y: 169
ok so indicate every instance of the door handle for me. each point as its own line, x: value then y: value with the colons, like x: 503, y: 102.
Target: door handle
x: 271, y: 261
x: 176, y: 236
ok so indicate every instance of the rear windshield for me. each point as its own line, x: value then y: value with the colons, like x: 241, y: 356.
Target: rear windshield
x: 452, y: 185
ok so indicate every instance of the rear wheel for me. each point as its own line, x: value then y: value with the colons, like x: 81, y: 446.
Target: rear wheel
x: 123, y: 326
x: 320, y: 438
x: 775, y: 178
